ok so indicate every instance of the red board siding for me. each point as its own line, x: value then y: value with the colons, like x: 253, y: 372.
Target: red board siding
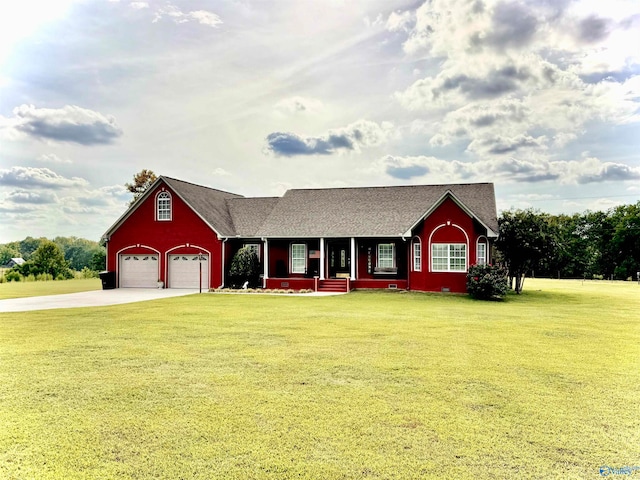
x: 291, y: 283
x: 400, y: 284
x: 447, y: 224
x: 141, y: 232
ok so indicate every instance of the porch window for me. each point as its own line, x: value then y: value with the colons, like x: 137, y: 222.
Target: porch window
x: 163, y: 206
x: 417, y: 255
x: 298, y: 258
x: 449, y: 257
x: 481, y: 253
x: 386, y: 257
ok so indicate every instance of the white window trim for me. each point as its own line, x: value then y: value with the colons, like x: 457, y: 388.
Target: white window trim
x: 482, y: 241
x: 386, y: 269
x: 304, y: 270
x: 164, y: 194
x: 416, y: 241
x: 433, y: 232
x: 449, y: 269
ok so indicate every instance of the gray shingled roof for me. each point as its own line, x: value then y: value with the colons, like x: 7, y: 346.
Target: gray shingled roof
x: 371, y: 211
x: 331, y: 212
x: 248, y: 214
x: 209, y: 203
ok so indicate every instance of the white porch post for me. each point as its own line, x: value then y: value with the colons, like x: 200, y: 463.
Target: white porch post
x: 353, y: 258
x: 265, y: 266
x: 322, y: 259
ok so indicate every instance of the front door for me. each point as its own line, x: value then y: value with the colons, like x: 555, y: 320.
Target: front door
x: 339, y: 259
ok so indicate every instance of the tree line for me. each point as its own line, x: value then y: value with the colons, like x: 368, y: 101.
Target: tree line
x: 57, y: 257
x: 591, y: 245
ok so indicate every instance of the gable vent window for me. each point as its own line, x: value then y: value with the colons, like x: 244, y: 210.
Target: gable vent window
x: 163, y: 209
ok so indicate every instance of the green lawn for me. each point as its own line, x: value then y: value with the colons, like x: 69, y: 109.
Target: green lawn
x: 367, y: 385
x: 33, y: 289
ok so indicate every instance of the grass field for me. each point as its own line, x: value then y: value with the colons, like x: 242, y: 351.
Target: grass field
x: 367, y: 385
x: 33, y: 289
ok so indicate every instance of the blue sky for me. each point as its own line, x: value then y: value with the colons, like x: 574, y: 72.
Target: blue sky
x: 541, y: 97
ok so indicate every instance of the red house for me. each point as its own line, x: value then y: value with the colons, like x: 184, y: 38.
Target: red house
x: 421, y: 237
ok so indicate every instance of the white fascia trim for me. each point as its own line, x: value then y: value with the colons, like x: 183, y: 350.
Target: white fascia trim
x: 314, y: 237
x: 131, y: 209
x: 139, y: 201
x: 458, y: 202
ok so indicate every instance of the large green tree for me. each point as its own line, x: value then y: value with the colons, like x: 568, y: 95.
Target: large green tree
x: 29, y: 245
x: 49, y: 259
x: 525, y: 238
x: 625, y: 241
x: 7, y: 252
x: 79, y: 252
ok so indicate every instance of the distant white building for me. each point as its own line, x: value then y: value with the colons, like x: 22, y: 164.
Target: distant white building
x: 15, y: 261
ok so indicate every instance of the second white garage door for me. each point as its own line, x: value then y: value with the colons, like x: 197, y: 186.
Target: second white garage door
x: 184, y: 271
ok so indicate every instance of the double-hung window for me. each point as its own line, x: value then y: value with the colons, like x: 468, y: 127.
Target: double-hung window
x: 163, y: 208
x: 417, y: 256
x: 386, y: 256
x: 298, y: 258
x: 449, y: 257
x: 481, y: 253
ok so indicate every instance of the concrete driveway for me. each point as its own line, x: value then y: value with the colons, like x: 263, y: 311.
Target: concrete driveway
x: 95, y: 298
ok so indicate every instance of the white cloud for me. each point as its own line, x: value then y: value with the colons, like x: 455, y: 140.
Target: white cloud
x: 399, y: 21
x: 517, y: 75
x: 362, y: 133
x: 37, y: 177
x: 220, y: 172
x: 203, y: 17
x: 52, y: 158
x: 506, y: 170
x: 70, y: 124
x: 298, y: 105
x: 32, y: 197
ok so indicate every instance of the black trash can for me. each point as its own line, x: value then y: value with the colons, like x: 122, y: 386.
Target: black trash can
x: 108, y: 280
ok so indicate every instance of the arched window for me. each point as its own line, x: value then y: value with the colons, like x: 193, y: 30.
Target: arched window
x: 163, y: 206
x: 449, y: 248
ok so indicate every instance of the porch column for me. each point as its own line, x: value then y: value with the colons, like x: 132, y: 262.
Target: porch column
x: 265, y: 266
x: 322, y: 259
x: 354, y: 258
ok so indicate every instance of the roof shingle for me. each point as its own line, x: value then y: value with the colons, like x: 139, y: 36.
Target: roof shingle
x: 370, y: 211
x: 330, y: 212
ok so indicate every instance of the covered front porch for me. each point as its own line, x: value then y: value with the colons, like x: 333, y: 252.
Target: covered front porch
x: 335, y: 264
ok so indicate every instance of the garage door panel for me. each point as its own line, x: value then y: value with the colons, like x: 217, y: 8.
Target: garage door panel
x: 184, y: 271
x: 138, y: 271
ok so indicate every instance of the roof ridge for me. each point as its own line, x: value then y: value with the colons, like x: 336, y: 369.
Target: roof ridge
x: 388, y: 186
x: 164, y: 177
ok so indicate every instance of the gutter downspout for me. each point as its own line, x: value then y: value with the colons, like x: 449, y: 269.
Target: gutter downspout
x: 224, y: 241
x: 265, y: 268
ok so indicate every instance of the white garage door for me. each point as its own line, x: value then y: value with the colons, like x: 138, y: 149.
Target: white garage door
x: 184, y: 271
x: 138, y: 271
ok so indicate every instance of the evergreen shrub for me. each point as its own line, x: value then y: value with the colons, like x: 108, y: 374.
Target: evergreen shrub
x: 487, y: 282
